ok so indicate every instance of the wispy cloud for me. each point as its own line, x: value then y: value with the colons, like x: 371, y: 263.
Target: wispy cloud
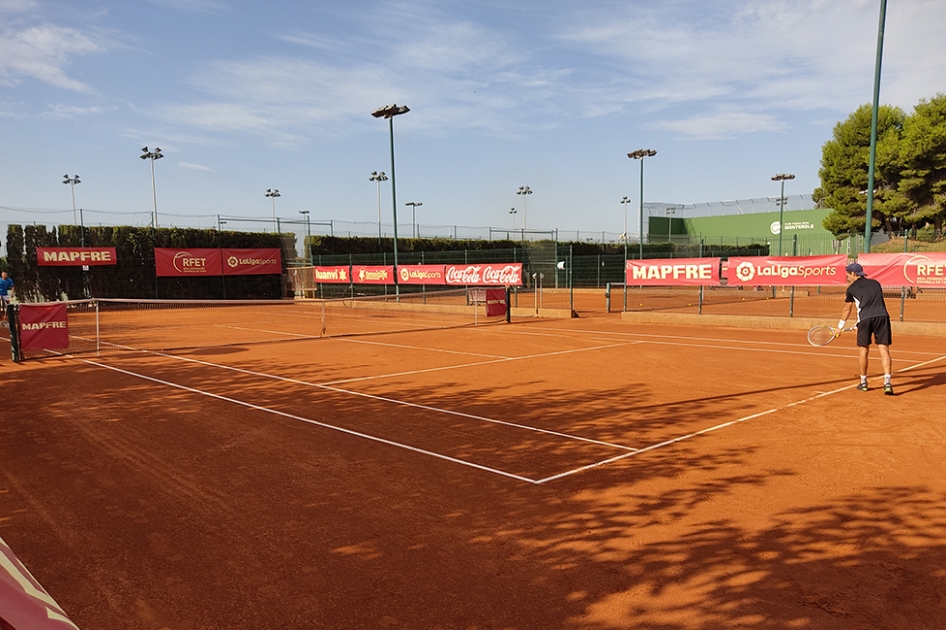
x: 721, y: 124
x: 195, y: 167
x: 43, y: 52
x: 201, y: 6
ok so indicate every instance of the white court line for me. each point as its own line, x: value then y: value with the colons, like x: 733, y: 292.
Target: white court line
x: 310, y: 421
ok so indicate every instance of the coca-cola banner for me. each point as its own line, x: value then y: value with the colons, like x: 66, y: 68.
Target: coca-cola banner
x: 75, y: 256
x: 673, y: 271
x: 252, y: 262
x: 332, y: 275
x: 368, y: 274
x: 787, y: 270
x: 495, y: 302
x: 172, y: 262
x: 906, y: 269
x: 492, y: 274
x: 421, y: 274
x: 43, y: 327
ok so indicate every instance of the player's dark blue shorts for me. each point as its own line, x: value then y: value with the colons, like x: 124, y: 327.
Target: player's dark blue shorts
x: 876, y: 327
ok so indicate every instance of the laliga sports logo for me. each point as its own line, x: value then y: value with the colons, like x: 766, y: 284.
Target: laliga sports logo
x: 745, y: 271
x: 776, y: 227
x: 233, y: 261
x: 405, y: 274
x: 185, y: 263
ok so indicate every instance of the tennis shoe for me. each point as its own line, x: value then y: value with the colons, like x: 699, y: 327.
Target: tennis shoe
x: 888, y: 389
x: 862, y: 387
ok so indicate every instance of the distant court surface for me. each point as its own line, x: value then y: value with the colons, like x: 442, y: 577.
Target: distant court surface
x: 581, y: 474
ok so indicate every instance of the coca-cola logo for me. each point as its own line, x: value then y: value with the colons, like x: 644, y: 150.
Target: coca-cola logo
x: 509, y: 274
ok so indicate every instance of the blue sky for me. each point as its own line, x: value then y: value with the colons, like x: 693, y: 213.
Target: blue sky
x: 245, y: 95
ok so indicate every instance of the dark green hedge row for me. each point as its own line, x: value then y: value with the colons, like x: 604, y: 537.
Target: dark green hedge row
x: 134, y: 275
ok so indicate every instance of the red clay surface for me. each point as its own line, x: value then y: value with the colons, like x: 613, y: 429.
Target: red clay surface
x: 538, y: 475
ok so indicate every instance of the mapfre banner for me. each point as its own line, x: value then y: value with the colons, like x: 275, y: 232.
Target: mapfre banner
x: 421, y: 274
x: 905, y: 269
x: 252, y: 262
x: 43, y: 327
x: 494, y: 274
x: 75, y: 256
x: 673, y: 272
x: 809, y: 271
x: 171, y: 262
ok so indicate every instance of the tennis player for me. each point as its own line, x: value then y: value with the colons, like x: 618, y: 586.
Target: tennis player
x: 873, y: 321
x: 6, y: 292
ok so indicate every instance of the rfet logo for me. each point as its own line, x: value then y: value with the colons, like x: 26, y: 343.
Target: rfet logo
x: 184, y: 262
x: 923, y: 270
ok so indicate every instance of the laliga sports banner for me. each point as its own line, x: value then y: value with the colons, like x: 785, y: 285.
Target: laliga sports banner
x: 905, y: 269
x: 43, y: 327
x: 421, y: 274
x: 75, y: 256
x: 170, y: 262
x: 370, y: 274
x: 673, y: 272
x: 495, y: 274
x: 252, y: 262
x: 787, y: 270
x: 335, y: 275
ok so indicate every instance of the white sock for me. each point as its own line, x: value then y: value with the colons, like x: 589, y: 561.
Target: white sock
x: 886, y: 379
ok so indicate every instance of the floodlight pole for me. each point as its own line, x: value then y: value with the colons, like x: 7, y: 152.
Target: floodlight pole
x: 72, y: 181
x: 640, y: 154
x: 389, y: 112
x: 152, y: 155
x: 308, y: 236
x: 624, y: 201
x: 413, y: 205
x: 873, y: 126
x: 378, y: 177
x: 781, y: 177
x: 524, y: 190
x: 272, y: 193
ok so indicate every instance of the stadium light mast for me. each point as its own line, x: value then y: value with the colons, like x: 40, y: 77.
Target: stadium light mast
x: 308, y: 236
x: 413, y: 205
x: 378, y: 177
x: 524, y: 190
x: 781, y: 177
x: 512, y: 213
x: 388, y: 112
x: 640, y: 154
x: 272, y: 193
x: 152, y: 155
x: 624, y: 201
x: 873, y: 126
x: 72, y: 181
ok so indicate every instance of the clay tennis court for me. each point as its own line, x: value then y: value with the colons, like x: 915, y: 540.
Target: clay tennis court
x: 580, y: 473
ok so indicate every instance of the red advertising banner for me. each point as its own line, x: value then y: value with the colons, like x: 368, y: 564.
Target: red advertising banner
x: 906, y: 269
x: 252, y: 262
x: 673, y: 272
x: 75, y: 256
x: 421, y: 274
x: 187, y: 262
x: 26, y: 604
x: 333, y: 275
x: 493, y: 274
x: 495, y: 302
x: 43, y: 327
x: 369, y: 274
x: 787, y: 271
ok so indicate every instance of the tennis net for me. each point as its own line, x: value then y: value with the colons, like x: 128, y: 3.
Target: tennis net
x: 109, y: 325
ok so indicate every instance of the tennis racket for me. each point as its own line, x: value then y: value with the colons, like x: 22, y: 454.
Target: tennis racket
x: 823, y: 335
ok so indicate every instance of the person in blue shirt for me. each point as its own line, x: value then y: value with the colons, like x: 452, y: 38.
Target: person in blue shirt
x: 6, y: 293
x: 873, y: 321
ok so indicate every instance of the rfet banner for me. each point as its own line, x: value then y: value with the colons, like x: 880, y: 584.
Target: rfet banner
x: 172, y: 262
x: 26, y: 604
x: 334, y: 275
x: 905, y: 269
x: 421, y: 274
x: 43, y: 327
x: 369, y: 274
x: 493, y: 274
x: 673, y: 271
x: 187, y: 262
x: 75, y: 256
x: 787, y: 270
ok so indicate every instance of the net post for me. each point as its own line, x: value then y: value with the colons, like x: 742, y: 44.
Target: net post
x: 13, y: 320
x: 508, y: 306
